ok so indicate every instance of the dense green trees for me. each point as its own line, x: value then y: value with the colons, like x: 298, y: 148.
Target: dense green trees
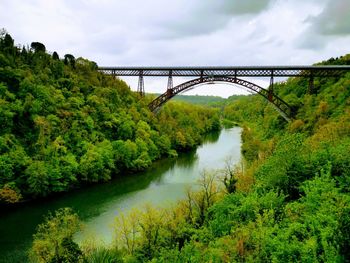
x: 53, y: 241
x: 62, y: 123
x: 289, y: 202
x: 38, y: 47
x: 307, y: 162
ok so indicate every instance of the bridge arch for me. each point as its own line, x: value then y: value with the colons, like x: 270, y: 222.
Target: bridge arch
x: 281, y: 106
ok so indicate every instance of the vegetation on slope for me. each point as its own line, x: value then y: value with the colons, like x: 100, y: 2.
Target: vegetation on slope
x: 290, y: 203
x: 202, y: 100
x: 63, y: 124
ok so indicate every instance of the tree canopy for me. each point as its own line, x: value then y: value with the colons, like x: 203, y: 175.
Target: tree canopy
x: 64, y: 124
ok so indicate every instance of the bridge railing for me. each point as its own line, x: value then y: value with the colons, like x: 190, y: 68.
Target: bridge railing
x: 240, y: 71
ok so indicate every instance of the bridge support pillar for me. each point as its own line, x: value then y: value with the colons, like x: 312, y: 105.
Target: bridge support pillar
x: 141, y: 85
x: 170, y: 80
x: 270, y: 90
x: 311, y: 88
x: 169, y: 91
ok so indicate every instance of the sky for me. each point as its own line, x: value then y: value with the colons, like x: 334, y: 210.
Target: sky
x: 184, y: 33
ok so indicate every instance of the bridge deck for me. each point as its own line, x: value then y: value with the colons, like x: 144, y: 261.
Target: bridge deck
x: 239, y: 71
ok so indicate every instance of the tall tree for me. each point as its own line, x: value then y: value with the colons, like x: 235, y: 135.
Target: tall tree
x: 55, y: 56
x: 38, y: 47
x: 69, y: 60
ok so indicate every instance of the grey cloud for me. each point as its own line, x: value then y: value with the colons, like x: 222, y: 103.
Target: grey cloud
x: 332, y: 23
x: 334, y: 20
x: 313, y: 41
x: 209, y: 16
x: 244, y: 7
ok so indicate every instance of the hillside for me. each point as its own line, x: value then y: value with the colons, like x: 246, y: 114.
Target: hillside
x: 64, y: 124
x: 202, y: 100
x: 288, y: 201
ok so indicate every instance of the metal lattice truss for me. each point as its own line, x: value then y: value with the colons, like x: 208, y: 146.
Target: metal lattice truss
x: 228, y: 75
x: 279, y: 104
x: 242, y: 71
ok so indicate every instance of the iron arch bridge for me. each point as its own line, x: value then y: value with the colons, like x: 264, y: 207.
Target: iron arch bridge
x: 228, y: 75
x: 278, y: 103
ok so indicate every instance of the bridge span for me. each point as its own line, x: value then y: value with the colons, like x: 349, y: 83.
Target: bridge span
x: 227, y: 74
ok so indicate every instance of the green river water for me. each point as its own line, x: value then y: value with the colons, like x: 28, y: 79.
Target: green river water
x: 162, y: 185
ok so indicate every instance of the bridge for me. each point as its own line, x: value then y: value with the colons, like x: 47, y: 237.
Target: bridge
x: 231, y: 75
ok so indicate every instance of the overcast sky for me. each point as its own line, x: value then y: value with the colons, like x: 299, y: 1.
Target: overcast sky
x: 184, y: 32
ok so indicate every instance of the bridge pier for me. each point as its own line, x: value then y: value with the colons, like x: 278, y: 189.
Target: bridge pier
x: 270, y: 90
x: 311, y: 88
x: 170, y: 80
x: 141, y: 85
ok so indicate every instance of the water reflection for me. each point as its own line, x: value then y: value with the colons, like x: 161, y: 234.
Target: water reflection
x: 212, y: 137
x: 186, y: 160
x: 165, y: 182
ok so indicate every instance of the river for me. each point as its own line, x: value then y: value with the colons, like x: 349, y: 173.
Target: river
x: 165, y: 182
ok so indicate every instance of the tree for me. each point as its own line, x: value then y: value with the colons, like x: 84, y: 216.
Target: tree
x: 38, y: 178
x: 38, y: 47
x: 9, y: 193
x: 62, y: 119
x: 7, y: 45
x: 206, y: 196
x: 55, y: 56
x: 127, y: 229
x: 98, y: 162
x: 24, y: 53
x: 150, y: 226
x: 69, y: 60
x: 53, y: 241
x: 230, y: 176
x: 8, y: 41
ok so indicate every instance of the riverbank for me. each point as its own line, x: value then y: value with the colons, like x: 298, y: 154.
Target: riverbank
x: 163, y: 183
x: 65, y: 124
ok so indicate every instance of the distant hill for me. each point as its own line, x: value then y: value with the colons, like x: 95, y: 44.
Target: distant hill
x: 197, y: 99
x: 205, y: 100
x: 214, y: 101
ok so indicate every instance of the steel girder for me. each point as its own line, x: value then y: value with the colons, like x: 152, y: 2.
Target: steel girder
x: 277, y: 102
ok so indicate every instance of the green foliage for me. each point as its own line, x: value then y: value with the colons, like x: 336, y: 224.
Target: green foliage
x: 296, y: 209
x: 53, y: 241
x: 55, y: 55
x: 38, y: 47
x: 63, y: 124
x: 103, y: 255
x: 98, y: 161
x: 241, y: 209
x: 202, y: 100
x: 152, y: 233
x: 307, y: 161
x: 38, y: 178
x: 287, y: 167
x: 311, y: 229
x: 69, y: 59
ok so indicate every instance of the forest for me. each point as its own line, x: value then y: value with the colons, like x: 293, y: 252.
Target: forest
x: 64, y: 124
x: 201, y: 100
x: 288, y: 201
